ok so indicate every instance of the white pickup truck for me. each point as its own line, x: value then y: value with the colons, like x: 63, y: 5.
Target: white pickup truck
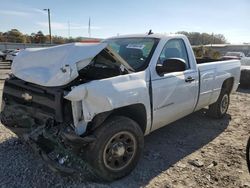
x: 92, y: 104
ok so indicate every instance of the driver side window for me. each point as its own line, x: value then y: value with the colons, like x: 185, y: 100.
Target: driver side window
x: 174, y: 48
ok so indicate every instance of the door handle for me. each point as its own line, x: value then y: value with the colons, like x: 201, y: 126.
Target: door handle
x: 189, y: 79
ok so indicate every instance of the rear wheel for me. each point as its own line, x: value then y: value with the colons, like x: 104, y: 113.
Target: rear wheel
x: 117, y: 148
x: 220, y: 107
x: 1, y: 58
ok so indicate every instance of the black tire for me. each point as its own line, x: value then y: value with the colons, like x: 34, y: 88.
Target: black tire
x: 107, y: 144
x: 244, y: 78
x: 248, y: 154
x: 219, y: 108
x: 1, y: 59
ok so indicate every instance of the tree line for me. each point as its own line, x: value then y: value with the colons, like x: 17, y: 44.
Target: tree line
x: 197, y: 38
x: 16, y: 36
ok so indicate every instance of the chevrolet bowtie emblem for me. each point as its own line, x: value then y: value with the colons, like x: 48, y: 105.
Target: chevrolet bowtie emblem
x: 26, y: 96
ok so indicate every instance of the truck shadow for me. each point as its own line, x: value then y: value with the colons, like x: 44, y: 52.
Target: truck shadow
x: 170, y: 144
x: 243, y: 90
x: 163, y: 148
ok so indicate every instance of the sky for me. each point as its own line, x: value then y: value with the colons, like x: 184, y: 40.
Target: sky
x: 116, y: 17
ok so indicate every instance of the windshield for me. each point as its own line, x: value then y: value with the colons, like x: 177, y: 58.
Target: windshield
x: 135, y: 51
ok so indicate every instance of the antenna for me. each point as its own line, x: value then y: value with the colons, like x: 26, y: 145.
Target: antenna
x: 150, y: 32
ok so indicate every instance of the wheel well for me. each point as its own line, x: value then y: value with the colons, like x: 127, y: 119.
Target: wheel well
x: 228, y: 84
x: 136, y: 112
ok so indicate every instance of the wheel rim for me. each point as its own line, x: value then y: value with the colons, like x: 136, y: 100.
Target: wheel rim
x: 224, y: 104
x: 119, y: 151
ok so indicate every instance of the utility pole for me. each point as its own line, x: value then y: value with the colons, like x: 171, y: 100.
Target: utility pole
x: 89, y: 29
x: 212, y: 39
x: 50, y: 39
x: 68, y: 29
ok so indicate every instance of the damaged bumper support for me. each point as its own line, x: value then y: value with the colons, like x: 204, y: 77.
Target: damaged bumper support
x: 56, y: 143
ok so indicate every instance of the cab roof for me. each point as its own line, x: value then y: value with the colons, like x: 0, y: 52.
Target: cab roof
x: 154, y: 35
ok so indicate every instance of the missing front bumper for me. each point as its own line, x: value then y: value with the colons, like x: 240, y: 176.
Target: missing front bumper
x: 57, y: 144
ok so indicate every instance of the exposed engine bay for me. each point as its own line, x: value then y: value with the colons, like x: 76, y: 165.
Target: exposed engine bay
x: 60, y: 65
x: 102, y: 66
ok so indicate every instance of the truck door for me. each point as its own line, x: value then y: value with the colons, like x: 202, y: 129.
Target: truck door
x: 174, y: 94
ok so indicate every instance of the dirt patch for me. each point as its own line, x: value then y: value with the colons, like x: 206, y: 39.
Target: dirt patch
x: 195, y: 151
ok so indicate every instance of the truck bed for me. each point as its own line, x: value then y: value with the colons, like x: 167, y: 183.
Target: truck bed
x: 212, y: 75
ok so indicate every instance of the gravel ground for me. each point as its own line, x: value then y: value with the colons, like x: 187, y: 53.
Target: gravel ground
x: 195, y: 151
x: 4, y: 70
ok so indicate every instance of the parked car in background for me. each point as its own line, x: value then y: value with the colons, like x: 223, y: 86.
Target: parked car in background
x: 2, y: 56
x: 10, y: 56
x: 245, y: 66
x: 245, y: 60
x: 233, y: 55
x: 6, y: 52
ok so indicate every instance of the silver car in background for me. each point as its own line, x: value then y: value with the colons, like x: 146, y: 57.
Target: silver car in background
x: 2, y: 56
x: 12, y: 55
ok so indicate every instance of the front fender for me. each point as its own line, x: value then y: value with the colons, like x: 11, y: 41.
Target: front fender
x: 108, y: 94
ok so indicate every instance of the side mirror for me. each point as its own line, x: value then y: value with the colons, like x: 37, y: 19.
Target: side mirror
x: 171, y: 65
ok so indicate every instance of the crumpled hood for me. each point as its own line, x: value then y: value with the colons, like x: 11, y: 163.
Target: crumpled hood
x: 54, y: 66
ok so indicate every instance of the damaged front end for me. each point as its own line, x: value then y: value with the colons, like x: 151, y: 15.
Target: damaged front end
x: 58, y: 96
x: 40, y: 116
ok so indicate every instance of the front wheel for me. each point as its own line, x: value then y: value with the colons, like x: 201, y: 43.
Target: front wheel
x: 220, y: 107
x: 117, y: 148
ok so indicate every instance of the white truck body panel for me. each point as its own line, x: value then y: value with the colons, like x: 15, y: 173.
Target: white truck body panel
x: 212, y: 76
x: 112, y: 93
x: 177, y: 93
